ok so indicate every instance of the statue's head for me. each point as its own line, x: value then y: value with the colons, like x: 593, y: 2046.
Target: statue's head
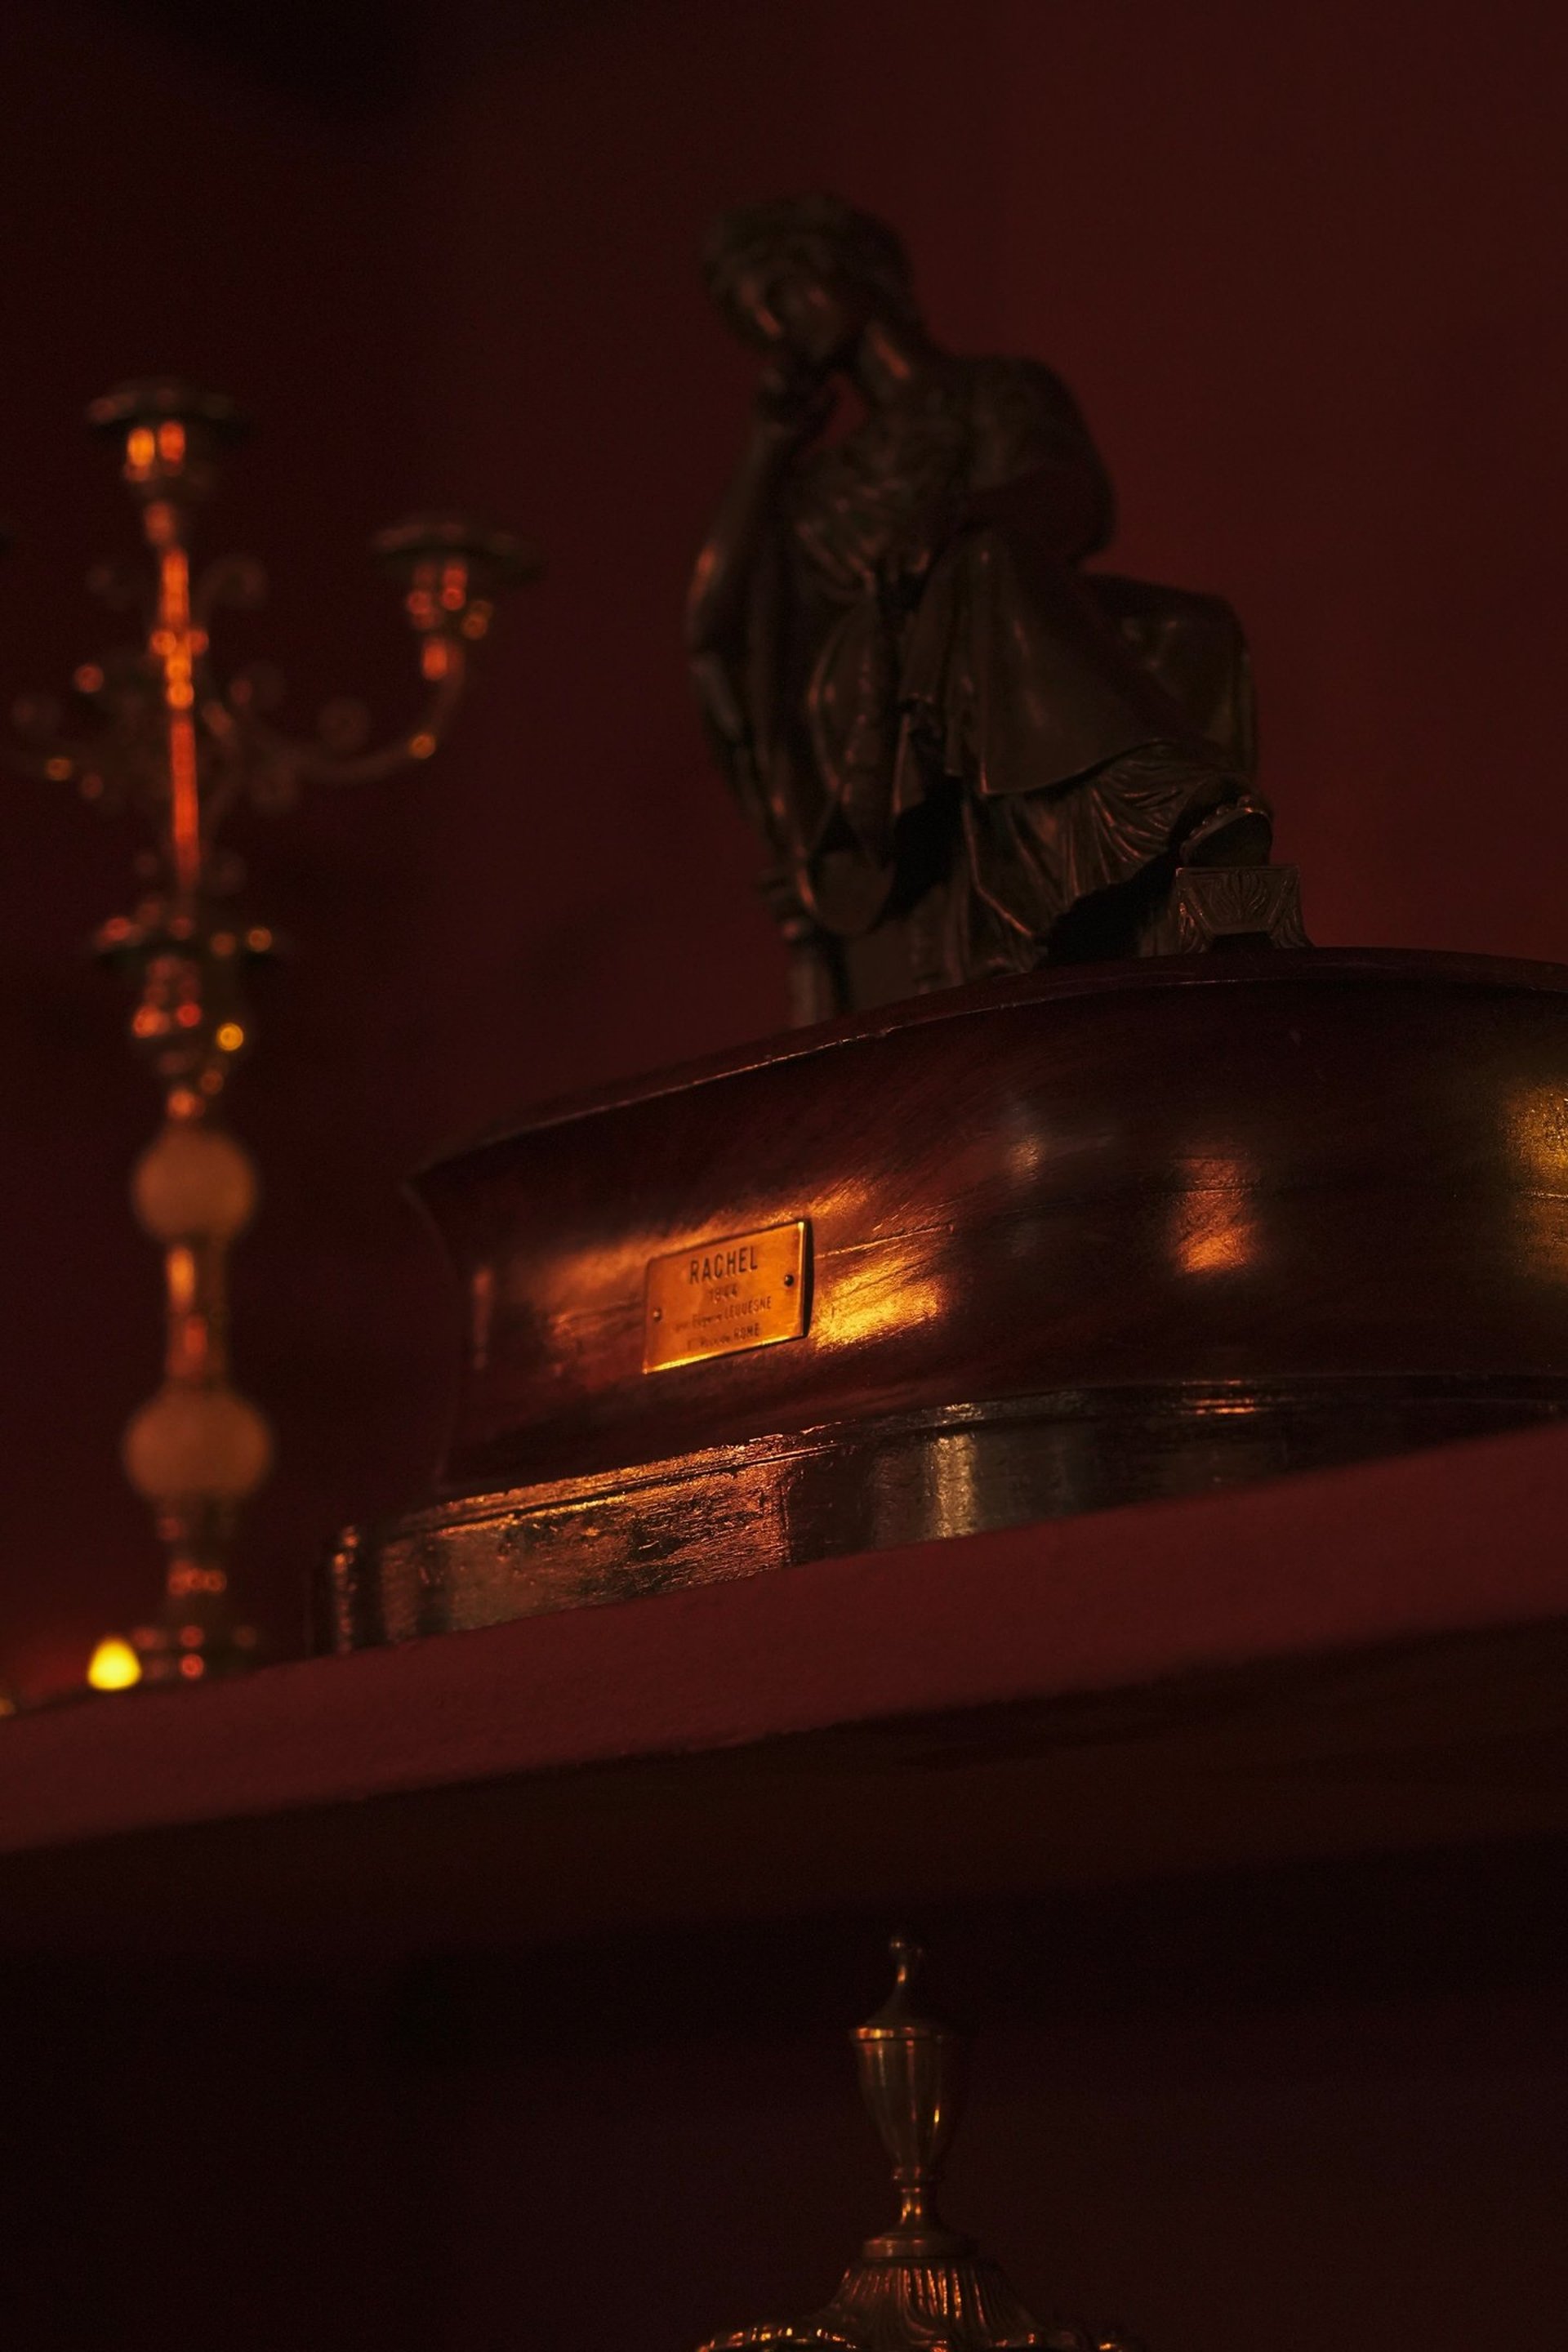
x: 807, y: 274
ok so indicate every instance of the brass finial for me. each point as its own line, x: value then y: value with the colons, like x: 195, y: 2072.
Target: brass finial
x: 911, y: 2081
x: 918, y: 2285
x: 908, y: 1958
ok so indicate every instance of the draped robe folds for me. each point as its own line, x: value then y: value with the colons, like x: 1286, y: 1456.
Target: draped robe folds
x: 919, y: 635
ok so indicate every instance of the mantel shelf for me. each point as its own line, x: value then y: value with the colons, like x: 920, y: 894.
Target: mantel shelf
x: 1362, y: 1660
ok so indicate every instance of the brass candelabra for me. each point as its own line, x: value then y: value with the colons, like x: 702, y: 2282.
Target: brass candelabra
x: 154, y: 726
x: 916, y: 2285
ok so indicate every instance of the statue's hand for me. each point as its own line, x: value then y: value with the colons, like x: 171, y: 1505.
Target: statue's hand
x: 793, y: 403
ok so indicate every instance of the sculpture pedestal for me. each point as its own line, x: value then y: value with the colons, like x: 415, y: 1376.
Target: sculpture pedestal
x: 1083, y: 1238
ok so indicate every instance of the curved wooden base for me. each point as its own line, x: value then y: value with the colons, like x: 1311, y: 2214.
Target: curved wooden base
x: 734, y: 1511
x: 1039, y: 1247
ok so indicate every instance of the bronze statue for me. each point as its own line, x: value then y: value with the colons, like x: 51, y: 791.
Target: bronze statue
x: 965, y: 754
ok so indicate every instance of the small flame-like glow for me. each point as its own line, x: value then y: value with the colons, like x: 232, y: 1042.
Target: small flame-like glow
x: 114, y: 1665
x: 231, y: 1037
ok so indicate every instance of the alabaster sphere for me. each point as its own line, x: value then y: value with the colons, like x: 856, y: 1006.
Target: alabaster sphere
x: 194, y: 1183
x: 196, y: 1441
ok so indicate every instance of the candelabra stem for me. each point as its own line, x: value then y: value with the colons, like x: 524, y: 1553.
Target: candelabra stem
x: 173, y: 643
x: 166, y: 732
x: 197, y: 1449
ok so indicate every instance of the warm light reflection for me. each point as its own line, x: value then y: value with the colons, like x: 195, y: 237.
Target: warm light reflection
x: 879, y: 1297
x: 114, y: 1665
x: 1214, y: 1224
x: 171, y: 642
x: 955, y: 1491
x: 1219, y: 1241
x: 1538, y: 1133
x: 1536, y: 1139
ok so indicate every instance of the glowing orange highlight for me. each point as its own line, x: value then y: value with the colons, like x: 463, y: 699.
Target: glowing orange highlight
x: 114, y: 1665
x: 1213, y: 1220
x: 173, y: 642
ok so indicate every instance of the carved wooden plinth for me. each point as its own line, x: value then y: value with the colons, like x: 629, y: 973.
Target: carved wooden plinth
x: 1072, y: 1240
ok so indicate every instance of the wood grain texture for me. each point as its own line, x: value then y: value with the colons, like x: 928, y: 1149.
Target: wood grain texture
x: 1299, y: 1167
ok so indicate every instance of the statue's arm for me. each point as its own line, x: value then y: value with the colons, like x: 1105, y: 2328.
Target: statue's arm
x: 787, y: 414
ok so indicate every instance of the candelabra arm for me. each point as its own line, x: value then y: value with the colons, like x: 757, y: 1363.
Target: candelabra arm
x: 444, y: 661
x: 451, y: 571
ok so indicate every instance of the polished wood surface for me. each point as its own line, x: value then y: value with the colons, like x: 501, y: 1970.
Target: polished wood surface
x: 1306, y: 1168
x: 1075, y: 1239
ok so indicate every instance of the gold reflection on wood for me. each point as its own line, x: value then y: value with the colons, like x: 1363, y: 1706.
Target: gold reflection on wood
x: 1213, y: 1219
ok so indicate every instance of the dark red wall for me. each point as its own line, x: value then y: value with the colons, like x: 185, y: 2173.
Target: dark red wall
x: 1303, y: 267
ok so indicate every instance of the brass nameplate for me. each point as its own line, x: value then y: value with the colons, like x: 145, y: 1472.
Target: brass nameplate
x: 724, y: 1292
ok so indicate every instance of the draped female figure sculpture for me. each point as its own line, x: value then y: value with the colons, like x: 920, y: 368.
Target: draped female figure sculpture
x: 966, y: 756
